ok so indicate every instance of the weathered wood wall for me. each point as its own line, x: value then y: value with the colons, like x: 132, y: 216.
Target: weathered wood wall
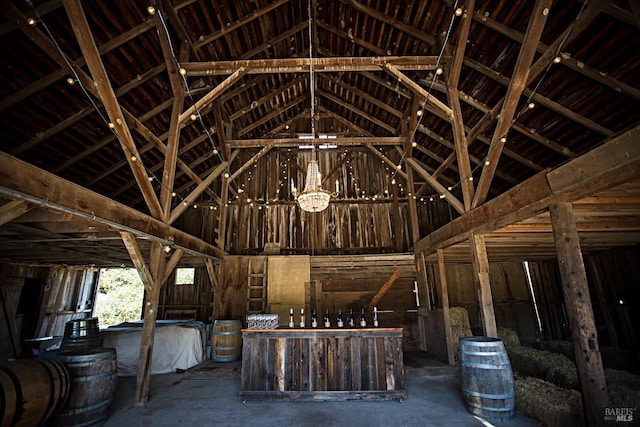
x: 38, y: 301
x: 345, y: 282
x: 615, y: 295
x: 263, y: 209
x: 187, y: 301
x: 512, y: 301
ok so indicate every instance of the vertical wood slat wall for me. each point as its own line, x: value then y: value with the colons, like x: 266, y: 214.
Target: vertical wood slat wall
x: 322, y: 365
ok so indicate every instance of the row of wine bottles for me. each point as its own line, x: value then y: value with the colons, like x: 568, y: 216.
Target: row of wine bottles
x: 340, y: 320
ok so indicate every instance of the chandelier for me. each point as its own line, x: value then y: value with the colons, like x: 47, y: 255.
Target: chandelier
x: 313, y: 198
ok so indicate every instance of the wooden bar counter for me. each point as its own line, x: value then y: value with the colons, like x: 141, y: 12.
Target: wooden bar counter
x: 322, y: 364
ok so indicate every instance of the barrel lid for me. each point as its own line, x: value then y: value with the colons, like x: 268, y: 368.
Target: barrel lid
x: 482, y: 340
x: 88, y: 353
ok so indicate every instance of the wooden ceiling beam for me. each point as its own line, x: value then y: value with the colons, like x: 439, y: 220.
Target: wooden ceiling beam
x: 12, y: 210
x: 550, y: 144
x: 20, y: 180
x: 274, y: 133
x: 386, y: 160
x: 296, y: 142
x: 272, y: 94
x: 518, y: 82
x: 395, y: 23
x: 419, y: 90
x: 212, y: 95
x: 320, y: 65
x: 255, y: 124
x: 181, y: 207
x: 101, y: 84
x: 457, y: 122
x: 225, y: 31
x: 448, y: 162
x: 348, y: 37
x: 609, y: 165
x: 53, y: 77
x: 575, y: 65
x: 357, y: 111
x: 538, y: 66
x: 344, y: 121
x: 542, y: 100
x: 362, y: 94
x: 449, y: 197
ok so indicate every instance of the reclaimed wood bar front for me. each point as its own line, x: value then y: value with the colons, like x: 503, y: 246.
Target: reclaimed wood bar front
x: 322, y: 364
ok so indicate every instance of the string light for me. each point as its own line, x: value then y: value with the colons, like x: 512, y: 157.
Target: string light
x: 151, y: 10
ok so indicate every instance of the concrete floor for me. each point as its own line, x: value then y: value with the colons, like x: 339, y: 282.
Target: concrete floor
x: 207, y: 395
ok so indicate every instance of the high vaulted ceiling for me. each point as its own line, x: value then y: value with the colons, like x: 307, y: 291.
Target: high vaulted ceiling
x: 475, y: 96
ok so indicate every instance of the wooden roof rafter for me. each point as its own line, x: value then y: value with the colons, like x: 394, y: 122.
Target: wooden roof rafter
x: 519, y: 81
x: 108, y: 97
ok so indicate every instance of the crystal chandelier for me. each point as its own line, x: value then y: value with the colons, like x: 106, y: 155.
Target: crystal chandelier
x: 313, y: 198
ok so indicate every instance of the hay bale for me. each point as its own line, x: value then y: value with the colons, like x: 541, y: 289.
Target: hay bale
x: 547, y: 403
x: 459, y: 326
x: 551, y: 367
x: 621, y: 396
x: 561, y: 347
x: 460, y: 319
x: 623, y: 378
x: 508, y: 337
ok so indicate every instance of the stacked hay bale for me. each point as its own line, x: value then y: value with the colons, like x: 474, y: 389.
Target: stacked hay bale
x: 508, y: 337
x: 552, y: 367
x: 553, y: 406
x: 557, y: 378
x: 624, y: 388
x: 460, y: 326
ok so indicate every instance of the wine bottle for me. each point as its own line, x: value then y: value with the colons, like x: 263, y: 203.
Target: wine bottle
x: 291, y: 323
x: 340, y: 320
x: 314, y: 319
x: 327, y: 320
x: 375, y: 317
x: 363, y: 319
x: 352, y: 320
x: 302, y: 317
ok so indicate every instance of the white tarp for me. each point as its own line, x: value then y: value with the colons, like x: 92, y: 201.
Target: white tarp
x: 176, y: 345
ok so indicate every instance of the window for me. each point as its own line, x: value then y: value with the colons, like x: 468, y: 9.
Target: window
x: 185, y: 276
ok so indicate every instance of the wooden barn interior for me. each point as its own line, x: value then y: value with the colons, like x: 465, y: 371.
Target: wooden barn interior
x: 482, y: 154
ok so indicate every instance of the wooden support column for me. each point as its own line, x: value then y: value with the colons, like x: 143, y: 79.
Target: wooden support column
x: 213, y: 277
x: 413, y: 208
x: 149, y: 326
x: 483, y: 285
x: 441, y: 275
x: 397, y: 219
x: 578, y: 303
x: 222, y: 220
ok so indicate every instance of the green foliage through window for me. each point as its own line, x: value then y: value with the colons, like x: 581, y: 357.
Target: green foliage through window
x: 185, y: 276
x: 119, y: 296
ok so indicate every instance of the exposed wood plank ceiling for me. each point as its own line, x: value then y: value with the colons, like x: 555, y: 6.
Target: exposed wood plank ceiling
x: 247, y: 85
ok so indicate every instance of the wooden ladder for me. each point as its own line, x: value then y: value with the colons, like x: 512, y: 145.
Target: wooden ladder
x: 256, y: 286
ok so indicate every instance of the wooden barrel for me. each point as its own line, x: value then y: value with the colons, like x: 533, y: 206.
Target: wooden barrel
x: 31, y: 390
x: 80, y: 334
x: 486, y: 378
x: 94, y: 376
x: 226, y: 340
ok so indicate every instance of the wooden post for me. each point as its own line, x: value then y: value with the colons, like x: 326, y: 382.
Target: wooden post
x: 578, y: 303
x: 483, y: 285
x: 222, y: 219
x: 149, y: 326
x: 444, y: 292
